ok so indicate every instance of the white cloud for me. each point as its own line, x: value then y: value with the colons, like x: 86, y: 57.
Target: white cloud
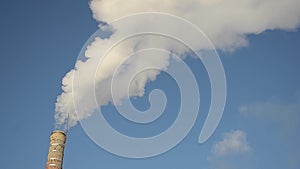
x: 285, y: 118
x: 287, y: 115
x: 226, y: 22
x: 233, y: 142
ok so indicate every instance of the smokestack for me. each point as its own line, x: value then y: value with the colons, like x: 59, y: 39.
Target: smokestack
x: 56, y: 150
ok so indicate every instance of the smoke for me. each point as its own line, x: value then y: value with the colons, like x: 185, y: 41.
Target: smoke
x: 226, y: 23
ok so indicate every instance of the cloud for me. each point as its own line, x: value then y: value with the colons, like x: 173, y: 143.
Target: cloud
x: 233, y: 142
x: 226, y: 23
x: 284, y: 118
x: 231, y: 152
x: 287, y: 115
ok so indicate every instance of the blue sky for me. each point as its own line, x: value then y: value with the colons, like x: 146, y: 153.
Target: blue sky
x: 40, y: 41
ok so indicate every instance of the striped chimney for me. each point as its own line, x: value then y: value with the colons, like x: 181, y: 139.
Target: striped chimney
x: 56, y: 150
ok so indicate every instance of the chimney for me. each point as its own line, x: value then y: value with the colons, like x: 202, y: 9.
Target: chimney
x: 56, y: 150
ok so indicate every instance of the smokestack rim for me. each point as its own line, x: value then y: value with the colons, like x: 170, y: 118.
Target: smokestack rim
x: 58, y: 131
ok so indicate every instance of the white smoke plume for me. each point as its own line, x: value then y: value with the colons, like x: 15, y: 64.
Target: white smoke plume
x: 226, y: 23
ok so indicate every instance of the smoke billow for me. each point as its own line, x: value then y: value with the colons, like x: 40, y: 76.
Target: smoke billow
x: 226, y: 23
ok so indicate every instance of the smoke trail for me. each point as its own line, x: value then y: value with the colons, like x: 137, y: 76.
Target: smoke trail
x: 226, y: 23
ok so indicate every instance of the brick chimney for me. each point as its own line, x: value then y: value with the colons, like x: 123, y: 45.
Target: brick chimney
x: 56, y: 150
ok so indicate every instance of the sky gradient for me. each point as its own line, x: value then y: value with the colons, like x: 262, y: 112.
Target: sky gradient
x: 40, y: 42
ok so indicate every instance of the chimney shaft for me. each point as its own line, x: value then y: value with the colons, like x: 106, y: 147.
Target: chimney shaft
x: 56, y: 150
